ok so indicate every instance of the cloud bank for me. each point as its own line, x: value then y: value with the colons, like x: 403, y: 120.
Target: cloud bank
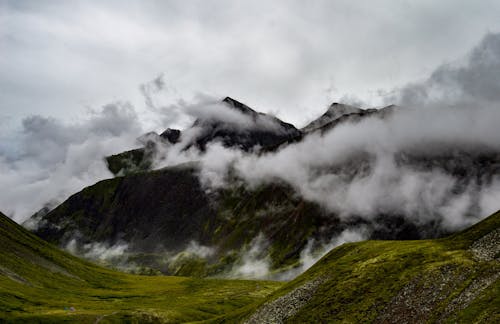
x: 404, y: 163
x: 52, y: 160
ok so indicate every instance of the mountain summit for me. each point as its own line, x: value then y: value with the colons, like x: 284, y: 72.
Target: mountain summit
x: 335, y: 111
x: 247, y: 130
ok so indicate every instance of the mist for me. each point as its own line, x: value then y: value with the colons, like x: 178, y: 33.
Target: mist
x: 48, y: 159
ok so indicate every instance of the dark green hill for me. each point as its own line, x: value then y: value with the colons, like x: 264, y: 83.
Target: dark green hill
x: 450, y: 280
x: 39, y: 283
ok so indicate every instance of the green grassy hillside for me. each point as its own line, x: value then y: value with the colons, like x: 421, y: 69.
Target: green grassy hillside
x: 39, y: 283
x: 455, y: 279
x: 445, y: 280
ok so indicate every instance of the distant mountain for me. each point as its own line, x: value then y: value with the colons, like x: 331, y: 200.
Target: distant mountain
x: 257, y: 131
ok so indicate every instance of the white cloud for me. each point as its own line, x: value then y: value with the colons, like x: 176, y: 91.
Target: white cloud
x: 53, y: 159
x: 287, y: 57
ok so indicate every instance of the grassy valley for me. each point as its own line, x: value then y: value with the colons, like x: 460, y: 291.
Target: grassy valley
x: 454, y: 279
x: 38, y: 282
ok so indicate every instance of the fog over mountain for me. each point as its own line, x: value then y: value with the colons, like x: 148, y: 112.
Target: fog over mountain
x: 446, y: 116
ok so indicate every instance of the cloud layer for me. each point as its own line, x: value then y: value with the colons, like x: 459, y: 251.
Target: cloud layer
x: 53, y: 160
x: 287, y: 57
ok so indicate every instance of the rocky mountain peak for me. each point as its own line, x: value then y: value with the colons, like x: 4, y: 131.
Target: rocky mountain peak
x: 171, y: 135
x: 238, y: 106
x: 334, y: 111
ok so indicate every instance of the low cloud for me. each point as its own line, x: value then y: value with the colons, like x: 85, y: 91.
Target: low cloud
x: 54, y: 159
x: 396, y: 165
x: 254, y: 262
x: 472, y: 81
x: 310, y: 255
x: 196, y: 249
x: 98, y: 251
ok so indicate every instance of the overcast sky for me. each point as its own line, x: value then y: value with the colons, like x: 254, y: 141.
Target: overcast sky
x: 292, y: 58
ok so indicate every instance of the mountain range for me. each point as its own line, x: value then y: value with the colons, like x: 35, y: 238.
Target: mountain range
x: 157, y: 216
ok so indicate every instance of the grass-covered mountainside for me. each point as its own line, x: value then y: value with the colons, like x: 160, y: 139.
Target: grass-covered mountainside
x: 450, y: 280
x: 39, y: 283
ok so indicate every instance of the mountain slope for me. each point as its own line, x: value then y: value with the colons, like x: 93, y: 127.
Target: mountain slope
x: 39, y: 283
x: 159, y: 213
x: 455, y: 279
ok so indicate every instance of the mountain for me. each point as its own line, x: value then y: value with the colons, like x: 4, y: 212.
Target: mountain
x: 266, y: 130
x: 247, y: 130
x: 162, y: 219
x: 159, y: 213
x: 41, y: 284
x: 451, y: 280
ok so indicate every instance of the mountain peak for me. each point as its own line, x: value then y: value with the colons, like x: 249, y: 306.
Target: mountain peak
x: 238, y: 106
x: 334, y: 111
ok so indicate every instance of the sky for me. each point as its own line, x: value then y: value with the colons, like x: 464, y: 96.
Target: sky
x: 292, y: 58
x: 81, y: 80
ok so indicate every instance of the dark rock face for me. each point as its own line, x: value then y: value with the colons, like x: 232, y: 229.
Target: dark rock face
x: 266, y: 131
x: 163, y: 209
x: 167, y: 209
x: 171, y: 135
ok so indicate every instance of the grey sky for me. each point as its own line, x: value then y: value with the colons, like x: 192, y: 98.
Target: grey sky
x: 59, y: 58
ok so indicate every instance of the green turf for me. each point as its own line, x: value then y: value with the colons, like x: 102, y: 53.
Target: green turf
x: 38, y: 282
x: 362, y: 278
